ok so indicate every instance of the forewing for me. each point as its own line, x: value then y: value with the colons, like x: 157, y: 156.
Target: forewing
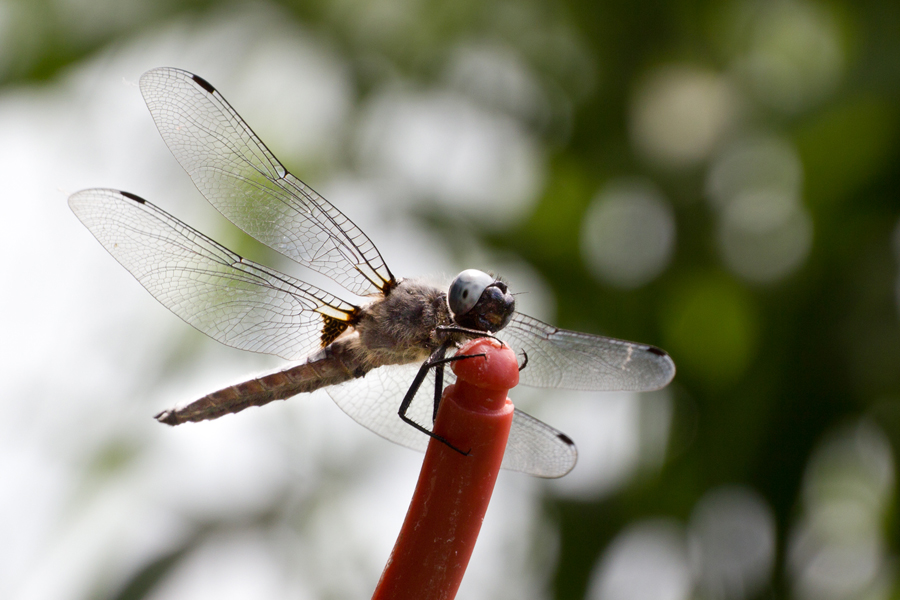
x: 239, y: 176
x: 373, y: 401
x: 558, y: 358
x: 235, y: 301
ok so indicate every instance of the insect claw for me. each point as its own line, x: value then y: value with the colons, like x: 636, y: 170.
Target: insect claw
x: 524, y: 362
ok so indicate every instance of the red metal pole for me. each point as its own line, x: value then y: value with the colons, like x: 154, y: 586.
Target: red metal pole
x: 452, y: 494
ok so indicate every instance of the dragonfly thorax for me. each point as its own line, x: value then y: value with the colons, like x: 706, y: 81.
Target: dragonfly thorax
x: 403, y: 326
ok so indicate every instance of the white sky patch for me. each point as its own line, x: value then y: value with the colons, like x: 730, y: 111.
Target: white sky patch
x: 452, y: 152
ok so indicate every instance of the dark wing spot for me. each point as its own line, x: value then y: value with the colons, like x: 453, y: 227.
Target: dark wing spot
x: 203, y: 83
x: 131, y: 196
x: 332, y: 328
x: 656, y: 351
x: 565, y: 439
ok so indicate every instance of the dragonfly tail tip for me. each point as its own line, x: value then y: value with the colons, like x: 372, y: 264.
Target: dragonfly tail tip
x: 168, y: 417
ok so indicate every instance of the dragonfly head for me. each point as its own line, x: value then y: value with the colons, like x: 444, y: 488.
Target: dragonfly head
x: 478, y: 301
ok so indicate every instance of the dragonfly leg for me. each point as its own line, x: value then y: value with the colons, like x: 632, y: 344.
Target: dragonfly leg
x: 437, y: 360
x: 438, y: 366
x: 474, y: 333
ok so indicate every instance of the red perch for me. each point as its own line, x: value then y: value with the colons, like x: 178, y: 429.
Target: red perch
x: 452, y: 494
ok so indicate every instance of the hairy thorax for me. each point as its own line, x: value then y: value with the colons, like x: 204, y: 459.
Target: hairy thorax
x: 401, y: 328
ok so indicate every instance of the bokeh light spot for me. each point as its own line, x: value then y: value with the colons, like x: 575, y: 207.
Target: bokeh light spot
x: 647, y: 561
x: 680, y: 113
x: 794, y: 55
x: 732, y: 536
x: 765, y: 237
x: 764, y: 232
x: 838, y: 548
x: 752, y: 162
x: 628, y: 233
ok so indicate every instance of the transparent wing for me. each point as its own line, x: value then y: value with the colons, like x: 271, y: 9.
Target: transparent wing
x: 538, y: 449
x: 241, y: 178
x: 373, y: 401
x: 234, y: 301
x: 558, y: 358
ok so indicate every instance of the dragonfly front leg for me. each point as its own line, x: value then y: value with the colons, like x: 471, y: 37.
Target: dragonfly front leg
x: 436, y: 361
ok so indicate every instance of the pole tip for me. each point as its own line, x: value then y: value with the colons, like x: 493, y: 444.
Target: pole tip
x: 496, y: 370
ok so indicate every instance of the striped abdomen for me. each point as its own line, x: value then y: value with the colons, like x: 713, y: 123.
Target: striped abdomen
x: 322, y: 369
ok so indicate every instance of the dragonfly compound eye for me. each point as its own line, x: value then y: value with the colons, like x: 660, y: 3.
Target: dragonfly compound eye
x: 466, y: 289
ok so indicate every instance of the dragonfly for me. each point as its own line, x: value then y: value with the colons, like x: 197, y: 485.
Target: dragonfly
x: 374, y: 355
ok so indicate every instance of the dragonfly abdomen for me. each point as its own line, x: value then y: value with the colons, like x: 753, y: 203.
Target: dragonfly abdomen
x: 333, y: 365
